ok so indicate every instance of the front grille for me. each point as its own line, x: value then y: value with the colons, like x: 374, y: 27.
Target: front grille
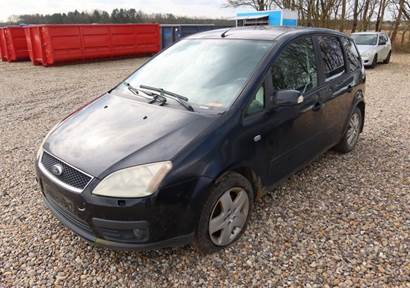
x: 68, y: 215
x: 70, y: 175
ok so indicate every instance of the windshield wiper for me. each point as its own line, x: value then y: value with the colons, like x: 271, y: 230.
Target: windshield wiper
x: 167, y: 94
x: 141, y: 93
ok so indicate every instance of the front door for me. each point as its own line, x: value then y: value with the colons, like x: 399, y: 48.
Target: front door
x: 289, y: 136
x: 298, y: 137
x: 384, y: 47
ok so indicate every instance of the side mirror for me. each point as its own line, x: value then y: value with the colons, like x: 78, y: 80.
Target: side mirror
x: 287, y: 98
x: 382, y: 43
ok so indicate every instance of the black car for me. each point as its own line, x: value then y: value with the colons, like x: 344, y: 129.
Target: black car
x: 178, y: 151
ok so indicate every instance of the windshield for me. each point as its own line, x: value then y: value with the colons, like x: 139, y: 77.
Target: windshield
x: 365, y: 39
x: 209, y: 72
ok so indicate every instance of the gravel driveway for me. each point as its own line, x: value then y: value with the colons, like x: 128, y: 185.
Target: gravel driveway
x: 342, y: 221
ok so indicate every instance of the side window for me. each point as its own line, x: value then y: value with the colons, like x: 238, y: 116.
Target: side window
x: 295, y: 68
x: 332, y: 56
x: 352, y: 56
x: 386, y: 37
x: 258, y: 102
x: 382, y: 39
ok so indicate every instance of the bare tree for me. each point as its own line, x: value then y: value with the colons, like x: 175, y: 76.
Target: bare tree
x: 258, y: 5
x: 398, y: 20
x: 355, y: 15
x: 343, y: 16
x: 380, y: 14
x: 364, y: 15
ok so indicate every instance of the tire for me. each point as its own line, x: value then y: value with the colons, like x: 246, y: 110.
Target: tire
x: 230, y: 185
x: 349, y: 140
x: 374, y: 62
x: 387, y: 60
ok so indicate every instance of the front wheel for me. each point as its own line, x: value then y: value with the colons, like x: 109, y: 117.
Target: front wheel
x: 351, y: 136
x: 225, y: 215
x: 374, y: 63
x: 387, y: 60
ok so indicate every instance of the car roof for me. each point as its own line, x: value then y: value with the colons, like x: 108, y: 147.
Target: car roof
x: 261, y: 33
x: 368, y: 33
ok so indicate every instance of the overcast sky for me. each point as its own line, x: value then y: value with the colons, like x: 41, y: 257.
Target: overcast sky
x: 205, y: 8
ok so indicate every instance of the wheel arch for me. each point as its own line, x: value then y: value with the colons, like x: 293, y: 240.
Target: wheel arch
x: 250, y: 175
x: 362, y: 107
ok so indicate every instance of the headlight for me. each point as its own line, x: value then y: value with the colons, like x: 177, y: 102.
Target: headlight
x: 366, y: 54
x: 138, y: 181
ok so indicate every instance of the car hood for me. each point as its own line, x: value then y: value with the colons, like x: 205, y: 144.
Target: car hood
x: 365, y: 48
x: 116, y: 132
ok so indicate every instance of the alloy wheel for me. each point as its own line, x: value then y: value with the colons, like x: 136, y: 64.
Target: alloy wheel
x: 228, y: 216
x: 353, y: 130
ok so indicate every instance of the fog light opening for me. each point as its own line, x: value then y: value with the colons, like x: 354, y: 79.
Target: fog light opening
x: 140, y: 233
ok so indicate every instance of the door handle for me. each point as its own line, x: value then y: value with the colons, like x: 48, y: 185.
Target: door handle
x: 257, y: 138
x: 317, y: 106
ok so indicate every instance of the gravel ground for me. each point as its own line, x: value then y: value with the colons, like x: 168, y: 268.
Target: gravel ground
x: 343, y: 221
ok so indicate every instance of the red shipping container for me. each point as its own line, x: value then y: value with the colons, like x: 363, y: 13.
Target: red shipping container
x: 33, y: 39
x: 54, y: 44
x: 3, y: 45
x: 13, y: 44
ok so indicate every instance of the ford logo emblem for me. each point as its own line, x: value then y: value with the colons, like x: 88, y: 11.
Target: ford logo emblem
x: 57, y: 169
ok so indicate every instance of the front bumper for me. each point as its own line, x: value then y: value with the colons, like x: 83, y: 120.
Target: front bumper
x: 367, y: 60
x: 88, y: 235
x: 167, y: 219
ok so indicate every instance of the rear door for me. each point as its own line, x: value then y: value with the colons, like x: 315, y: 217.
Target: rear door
x: 337, y: 85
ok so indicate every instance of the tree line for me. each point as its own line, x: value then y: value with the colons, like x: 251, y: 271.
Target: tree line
x: 344, y: 15
x: 116, y: 16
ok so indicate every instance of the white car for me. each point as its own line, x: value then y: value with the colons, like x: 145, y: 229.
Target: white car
x: 374, y: 47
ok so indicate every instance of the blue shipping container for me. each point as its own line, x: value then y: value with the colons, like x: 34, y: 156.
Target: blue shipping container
x: 270, y: 17
x: 171, y: 33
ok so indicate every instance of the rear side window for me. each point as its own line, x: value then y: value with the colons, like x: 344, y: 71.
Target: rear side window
x: 352, y: 56
x: 295, y: 68
x: 332, y: 56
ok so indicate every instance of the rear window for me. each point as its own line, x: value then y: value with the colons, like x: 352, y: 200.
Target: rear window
x: 332, y: 56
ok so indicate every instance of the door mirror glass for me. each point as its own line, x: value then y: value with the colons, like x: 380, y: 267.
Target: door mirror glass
x: 287, y: 98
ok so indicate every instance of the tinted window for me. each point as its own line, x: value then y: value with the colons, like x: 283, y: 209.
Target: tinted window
x: 296, y: 68
x: 332, y: 55
x: 258, y: 102
x: 352, y: 56
x: 210, y: 72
